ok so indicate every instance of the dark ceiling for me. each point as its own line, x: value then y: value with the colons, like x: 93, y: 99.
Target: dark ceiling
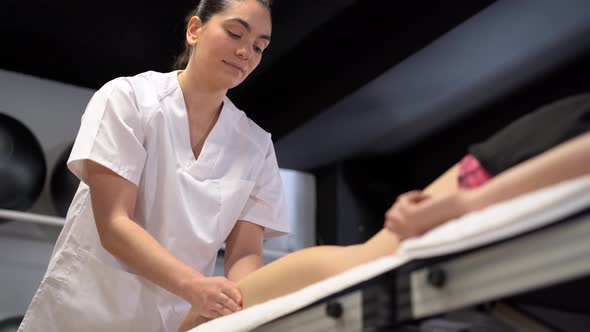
x: 322, y: 50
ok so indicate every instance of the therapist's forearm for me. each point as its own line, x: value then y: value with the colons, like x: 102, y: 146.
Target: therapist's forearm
x: 568, y: 160
x: 243, y: 266
x: 138, y: 250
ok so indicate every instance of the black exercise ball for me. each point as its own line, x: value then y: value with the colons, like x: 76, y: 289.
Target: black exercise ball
x: 22, y: 165
x: 63, y: 184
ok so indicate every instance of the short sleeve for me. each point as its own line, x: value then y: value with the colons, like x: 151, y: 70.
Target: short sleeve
x: 266, y: 205
x: 111, y: 134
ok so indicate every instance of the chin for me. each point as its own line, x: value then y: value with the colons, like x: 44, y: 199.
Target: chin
x: 234, y: 83
x: 229, y: 80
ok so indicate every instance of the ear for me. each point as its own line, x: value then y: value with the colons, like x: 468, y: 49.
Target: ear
x: 193, y: 30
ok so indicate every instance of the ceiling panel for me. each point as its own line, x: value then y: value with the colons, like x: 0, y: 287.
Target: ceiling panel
x: 322, y: 50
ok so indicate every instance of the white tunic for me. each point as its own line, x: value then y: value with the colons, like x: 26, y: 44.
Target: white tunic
x: 138, y: 127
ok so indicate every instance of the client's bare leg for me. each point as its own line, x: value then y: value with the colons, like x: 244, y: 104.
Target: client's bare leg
x: 310, y: 265
x: 303, y: 268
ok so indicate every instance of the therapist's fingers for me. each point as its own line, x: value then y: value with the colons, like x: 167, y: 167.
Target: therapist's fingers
x: 228, y: 296
x: 222, y: 310
x: 215, y: 310
x: 231, y: 304
x: 192, y: 319
x: 211, y: 300
x: 223, y: 307
x: 232, y: 291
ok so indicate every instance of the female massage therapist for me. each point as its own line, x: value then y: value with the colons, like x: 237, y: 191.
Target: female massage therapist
x: 170, y: 170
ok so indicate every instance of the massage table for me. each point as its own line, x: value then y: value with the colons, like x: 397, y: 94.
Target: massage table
x: 535, y: 241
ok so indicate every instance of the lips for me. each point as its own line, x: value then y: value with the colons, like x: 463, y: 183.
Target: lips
x: 236, y: 66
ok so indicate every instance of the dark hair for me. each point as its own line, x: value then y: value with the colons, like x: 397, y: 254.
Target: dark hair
x: 205, y: 10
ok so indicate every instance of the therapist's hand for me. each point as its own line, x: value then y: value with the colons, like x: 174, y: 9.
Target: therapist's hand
x: 215, y: 296
x: 191, y: 320
x: 415, y: 212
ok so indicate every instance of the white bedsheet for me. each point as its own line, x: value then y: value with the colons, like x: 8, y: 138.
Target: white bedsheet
x: 500, y: 221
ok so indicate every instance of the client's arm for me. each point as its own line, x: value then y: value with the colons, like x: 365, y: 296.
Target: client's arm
x: 444, y: 184
x: 415, y: 213
x: 565, y: 161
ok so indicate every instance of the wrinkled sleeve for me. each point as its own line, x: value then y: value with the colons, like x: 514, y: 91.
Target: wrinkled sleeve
x: 111, y: 134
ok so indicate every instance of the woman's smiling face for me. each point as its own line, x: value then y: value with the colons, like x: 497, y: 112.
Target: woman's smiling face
x: 229, y: 46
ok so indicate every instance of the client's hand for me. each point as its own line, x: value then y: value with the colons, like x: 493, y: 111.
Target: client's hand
x: 414, y: 212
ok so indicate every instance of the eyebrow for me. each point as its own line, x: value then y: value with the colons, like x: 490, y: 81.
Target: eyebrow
x: 247, y: 26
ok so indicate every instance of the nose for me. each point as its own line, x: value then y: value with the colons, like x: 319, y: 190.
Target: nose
x: 243, y: 52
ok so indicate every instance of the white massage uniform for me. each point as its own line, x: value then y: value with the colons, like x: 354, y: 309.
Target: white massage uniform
x: 138, y: 127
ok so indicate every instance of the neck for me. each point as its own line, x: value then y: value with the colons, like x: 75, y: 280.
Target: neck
x: 199, y: 97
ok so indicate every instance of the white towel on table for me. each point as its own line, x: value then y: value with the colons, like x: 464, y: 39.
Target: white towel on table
x: 516, y: 216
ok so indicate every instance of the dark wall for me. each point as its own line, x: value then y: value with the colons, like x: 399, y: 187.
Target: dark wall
x: 500, y: 50
x: 354, y: 194
x: 344, y: 54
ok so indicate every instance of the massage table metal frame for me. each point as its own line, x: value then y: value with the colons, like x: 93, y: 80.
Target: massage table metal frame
x: 425, y: 288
